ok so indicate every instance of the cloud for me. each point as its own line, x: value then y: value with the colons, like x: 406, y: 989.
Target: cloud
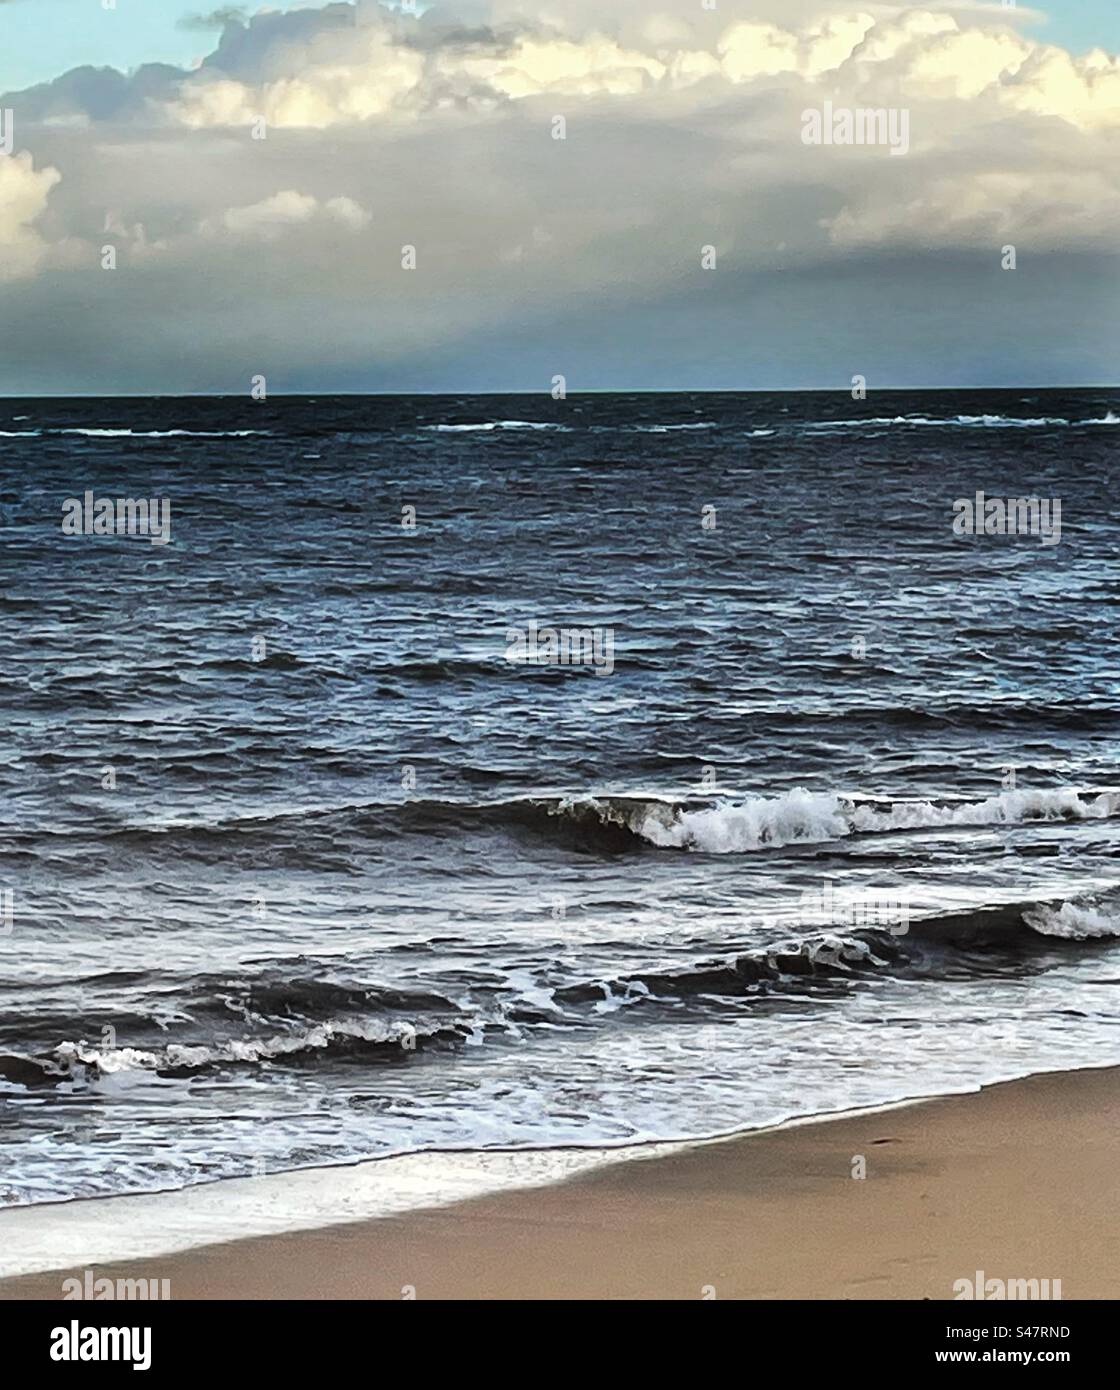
x: 335, y: 66
x: 682, y: 130
x: 23, y: 199
x: 1044, y: 213
x: 1085, y: 92
x: 317, y: 90
x: 272, y: 217
x: 214, y: 19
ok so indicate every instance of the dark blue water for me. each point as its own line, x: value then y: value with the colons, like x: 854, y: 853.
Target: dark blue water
x: 300, y: 866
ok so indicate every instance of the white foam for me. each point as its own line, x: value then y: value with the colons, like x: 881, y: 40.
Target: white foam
x: 1074, y: 921
x: 103, y: 1230
x: 111, y: 1061
x: 497, y: 425
x: 109, y: 1230
x: 962, y: 421
x: 669, y: 429
x: 812, y: 817
x: 160, y: 434
x: 780, y: 820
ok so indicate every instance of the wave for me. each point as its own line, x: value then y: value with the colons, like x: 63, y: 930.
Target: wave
x: 980, y: 942
x: 962, y: 422
x: 592, y: 824
x: 966, y: 421
x: 1110, y: 418
x: 1075, y: 921
x: 298, y: 1012
x: 802, y: 816
x: 470, y: 425
x: 132, y: 434
x: 614, y: 824
x: 335, y: 1039
x: 670, y: 429
x: 157, y: 434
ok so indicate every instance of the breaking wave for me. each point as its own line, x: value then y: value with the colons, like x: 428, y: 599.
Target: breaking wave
x: 350, y: 1038
x: 802, y: 816
x: 609, y: 824
x: 1075, y: 921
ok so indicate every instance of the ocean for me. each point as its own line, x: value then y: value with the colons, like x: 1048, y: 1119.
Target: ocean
x: 500, y: 772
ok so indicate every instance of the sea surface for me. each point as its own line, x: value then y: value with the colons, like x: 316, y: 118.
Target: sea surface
x: 298, y: 866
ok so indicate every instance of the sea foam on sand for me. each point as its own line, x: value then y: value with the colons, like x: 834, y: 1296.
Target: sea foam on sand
x: 101, y: 1230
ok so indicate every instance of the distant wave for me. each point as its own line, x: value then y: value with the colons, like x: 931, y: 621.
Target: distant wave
x: 1110, y: 418
x: 960, y: 421
x: 132, y: 434
x: 465, y: 426
x: 669, y: 429
x: 472, y: 425
x: 158, y: 434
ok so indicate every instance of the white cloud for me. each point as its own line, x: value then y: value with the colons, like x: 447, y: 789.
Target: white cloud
x: 23, y: 199
x: 1085, y: 92
x: 532, y: 66
x: 339, y: 74
x: 274, y: 216
x: 758, y: 50
x: 348, y: 213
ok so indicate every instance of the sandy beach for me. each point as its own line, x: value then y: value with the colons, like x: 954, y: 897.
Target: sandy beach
x: 1012, y: 1181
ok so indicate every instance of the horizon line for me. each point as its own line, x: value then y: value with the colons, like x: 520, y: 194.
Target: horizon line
x: 590, y: 391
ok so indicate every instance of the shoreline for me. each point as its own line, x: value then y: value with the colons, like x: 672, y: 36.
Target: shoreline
x: 117, y: 1228
x: 1017, y: 1179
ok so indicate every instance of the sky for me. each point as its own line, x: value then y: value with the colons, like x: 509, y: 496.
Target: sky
x: 683, y: 233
